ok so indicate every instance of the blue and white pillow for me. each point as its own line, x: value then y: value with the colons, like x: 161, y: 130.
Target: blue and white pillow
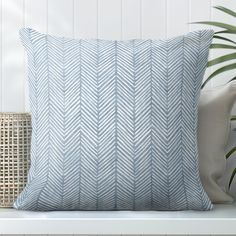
x: 114, y: 123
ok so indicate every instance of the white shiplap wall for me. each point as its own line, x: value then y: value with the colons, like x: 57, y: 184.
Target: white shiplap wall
x: 107, y: 19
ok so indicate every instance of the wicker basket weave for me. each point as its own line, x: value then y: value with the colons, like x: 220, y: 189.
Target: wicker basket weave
x: 15, y: 133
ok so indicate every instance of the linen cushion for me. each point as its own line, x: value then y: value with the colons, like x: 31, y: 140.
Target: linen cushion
x: 115, y: 123
x: 215, y: 107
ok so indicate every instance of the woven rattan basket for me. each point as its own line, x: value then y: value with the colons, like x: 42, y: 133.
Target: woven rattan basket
x: 15, y: 132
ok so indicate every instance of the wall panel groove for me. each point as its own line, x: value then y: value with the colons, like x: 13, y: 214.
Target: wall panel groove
x: 131, y: 19
x: 153, y: 18
x: 86, y: 18
x: 12, y: 56
x: 109, y: 19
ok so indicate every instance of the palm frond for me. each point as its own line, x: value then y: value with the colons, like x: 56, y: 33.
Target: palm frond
x: 232, y: 177
x: 233, y: 118
x: 226, y: 10
x: 229, y: 27
x: 222, y: 46
x: 219, y: 71
x: 222, y: 59
x: 228, y: 155
x: 225, y: 32
x: 224, y: 39
x: 234, y: 78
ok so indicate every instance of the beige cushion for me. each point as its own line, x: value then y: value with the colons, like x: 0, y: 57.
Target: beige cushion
x: 214, y: 124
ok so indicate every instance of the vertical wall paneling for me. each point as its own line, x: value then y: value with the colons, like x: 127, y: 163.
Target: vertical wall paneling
x: 109, y: 19
x: 12, y: 56
x: 131, y: 19
x: 153, y: 18
x: 200, y: 10
x: 177, y: 17
x: 61, y: 17
x: 36, y: 15
x: 32, y: 9
x: 85, y: 18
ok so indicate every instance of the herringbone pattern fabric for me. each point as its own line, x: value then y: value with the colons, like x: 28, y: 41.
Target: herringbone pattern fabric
x: 115, y: 123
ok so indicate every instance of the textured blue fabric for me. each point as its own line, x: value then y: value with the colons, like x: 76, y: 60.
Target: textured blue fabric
x: 114, y: 123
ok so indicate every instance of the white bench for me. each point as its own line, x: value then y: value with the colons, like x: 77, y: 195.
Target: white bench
x: 220, y: 221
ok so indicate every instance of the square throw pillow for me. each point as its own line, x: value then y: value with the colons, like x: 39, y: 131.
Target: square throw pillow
x: 115, y: 123
x: 214, y: 112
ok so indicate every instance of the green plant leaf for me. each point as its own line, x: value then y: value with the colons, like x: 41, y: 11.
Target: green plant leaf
x: 219, y: 71
x: 224, y: 38
x: 222, y: 46
x: 232, y: 151
x: 231, y: 28
x: 225, y: 32
x: 232, y: 177
x: 234, y: 78
x: 226, y: 10
x: 233, y: 118
x: 222, y: 59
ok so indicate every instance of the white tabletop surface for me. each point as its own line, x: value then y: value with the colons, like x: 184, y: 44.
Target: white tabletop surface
x: 220, y: 220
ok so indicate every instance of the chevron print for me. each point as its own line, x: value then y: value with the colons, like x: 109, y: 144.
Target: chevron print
x: 114, y: 123
x: 125, y: 85
x: 107, y: 125
x: 143, y: 126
